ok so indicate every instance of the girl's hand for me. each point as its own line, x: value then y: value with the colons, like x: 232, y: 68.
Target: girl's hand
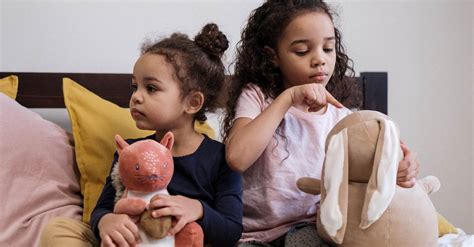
x: 407, y: 168
x: 312, y: 97
x: 185, y: 210
x: 118, y: 230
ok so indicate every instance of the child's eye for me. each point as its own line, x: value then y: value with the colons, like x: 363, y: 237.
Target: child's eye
x: 151, y: 88
x: 301, y: 53
x: 328, y: 50
x: 134, y: 87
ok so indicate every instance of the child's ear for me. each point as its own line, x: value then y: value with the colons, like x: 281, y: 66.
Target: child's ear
x: 120, y: 143
x: 194, y: 102
x: 271, y: 54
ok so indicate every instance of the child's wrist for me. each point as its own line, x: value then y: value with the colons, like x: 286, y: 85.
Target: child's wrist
x: 200, y: 209
x: 101, y: 220
x: 287, y: 96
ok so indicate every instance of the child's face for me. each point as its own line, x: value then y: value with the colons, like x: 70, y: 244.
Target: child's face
x: 156, y: 103
x: 306, y: 51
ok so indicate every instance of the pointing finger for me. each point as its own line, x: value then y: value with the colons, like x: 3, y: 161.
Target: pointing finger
x: 333, y: 101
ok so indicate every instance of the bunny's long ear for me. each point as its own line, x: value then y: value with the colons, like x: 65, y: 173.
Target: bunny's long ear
x: 120, y: 143
x: 333, y: 212
x: 381, y: 185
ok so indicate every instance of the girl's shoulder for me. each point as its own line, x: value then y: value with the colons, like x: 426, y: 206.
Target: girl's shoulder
x: 252, y: 89
x: 207, y: 149
x: 253, y: 95
x: 212, y: 145
x: 210, y: 155
x: 209, y: 158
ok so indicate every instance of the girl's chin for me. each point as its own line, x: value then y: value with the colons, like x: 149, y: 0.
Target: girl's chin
x: 142, y: 126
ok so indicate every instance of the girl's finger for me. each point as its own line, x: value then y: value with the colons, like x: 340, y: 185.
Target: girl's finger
x: 177, y: 227
x: 406, y: 151
x: 412, y: 174
x: 405, y: 168
x: 321, y: 95
x: 133, y: 229
x: 407, y: 177
x: 333, y: 101
x: 163, y: 212
x: 159, y: 201
x: 407, y: 184
x: 128, y: 236
x: 403, y: 165
x: 118, y: 239
x: 159, y: 197
x: 402, y: 174
x: 107, y: 241
x: 402, y: 142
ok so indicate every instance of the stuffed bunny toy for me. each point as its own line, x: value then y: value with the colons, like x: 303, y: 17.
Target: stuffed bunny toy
x: 361, y: 205
x: 144, y: 169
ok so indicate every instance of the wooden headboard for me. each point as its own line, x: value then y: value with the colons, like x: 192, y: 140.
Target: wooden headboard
x: 44, y: 90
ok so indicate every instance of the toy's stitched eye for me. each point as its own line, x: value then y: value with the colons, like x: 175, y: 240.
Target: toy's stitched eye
x: 137, y: 167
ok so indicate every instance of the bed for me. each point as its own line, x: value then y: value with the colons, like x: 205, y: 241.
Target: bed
x: 48, y: 171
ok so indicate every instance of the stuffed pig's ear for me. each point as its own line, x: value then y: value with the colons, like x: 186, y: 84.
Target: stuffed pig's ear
x: 168, y: 140
x: 381, y: 185
x: 120, y: 143
x: 333, y: 211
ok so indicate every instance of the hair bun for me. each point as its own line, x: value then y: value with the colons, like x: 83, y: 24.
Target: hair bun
x: 211, y: 40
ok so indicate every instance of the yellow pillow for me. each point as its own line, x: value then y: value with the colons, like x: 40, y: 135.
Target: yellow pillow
x: 9, y: 86
x: 95, y: 122
x: 444, y: 227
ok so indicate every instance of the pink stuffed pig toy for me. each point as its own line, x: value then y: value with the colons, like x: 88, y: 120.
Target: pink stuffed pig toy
x: 144, y: 169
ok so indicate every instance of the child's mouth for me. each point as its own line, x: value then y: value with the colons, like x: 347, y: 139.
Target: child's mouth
x: 136, y: 113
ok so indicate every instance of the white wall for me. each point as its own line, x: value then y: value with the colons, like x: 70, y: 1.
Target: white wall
x: 102, y: 36
x: 426, y: 47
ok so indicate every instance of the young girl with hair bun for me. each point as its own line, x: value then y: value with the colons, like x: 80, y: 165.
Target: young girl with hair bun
x: 175, y: 82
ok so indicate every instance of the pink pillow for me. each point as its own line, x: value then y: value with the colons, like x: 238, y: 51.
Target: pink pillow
x: 38, y: 180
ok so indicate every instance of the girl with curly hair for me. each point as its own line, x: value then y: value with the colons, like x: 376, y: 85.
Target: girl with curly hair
x: 175, y: 82
x: 291, y: 75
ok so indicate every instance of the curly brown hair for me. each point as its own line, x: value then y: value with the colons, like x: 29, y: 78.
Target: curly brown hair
x: 254, y: 64
x: 197, y: 63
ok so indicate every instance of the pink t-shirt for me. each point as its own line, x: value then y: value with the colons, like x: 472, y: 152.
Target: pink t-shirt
x: 272, y: 202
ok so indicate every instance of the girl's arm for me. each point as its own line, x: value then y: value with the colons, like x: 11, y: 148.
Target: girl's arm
x: 105, y: 203
x: 107, y: 226
x: 221, y: 222
x: 248, y: 138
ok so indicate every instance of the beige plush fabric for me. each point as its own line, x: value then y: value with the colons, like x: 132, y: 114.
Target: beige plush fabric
x: 37, y: 175
x: 407, y: 217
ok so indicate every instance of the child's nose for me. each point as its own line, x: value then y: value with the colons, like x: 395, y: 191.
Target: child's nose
x: 317, y: 60
x: 137, y: 97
